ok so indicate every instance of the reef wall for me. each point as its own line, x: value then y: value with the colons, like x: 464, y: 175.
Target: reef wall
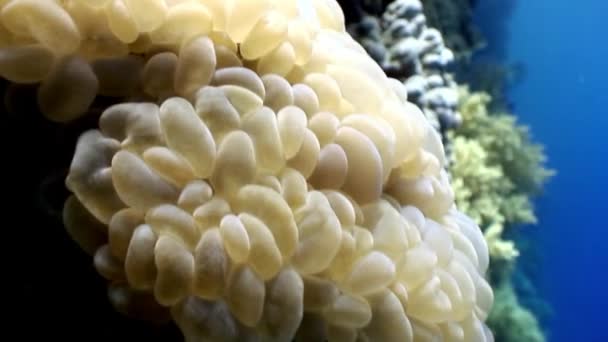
x: 495, y: 166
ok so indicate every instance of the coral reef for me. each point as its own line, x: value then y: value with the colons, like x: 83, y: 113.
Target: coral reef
x: 407, y: 49
x: 518, y: 309
x: 494, y: 79
x: 510, y: 320
x: 497, y: 169
x: 454, y: 19
x: 238, y: 183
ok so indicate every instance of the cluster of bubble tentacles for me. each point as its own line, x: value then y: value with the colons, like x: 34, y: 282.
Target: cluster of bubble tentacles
x: 258, y: 177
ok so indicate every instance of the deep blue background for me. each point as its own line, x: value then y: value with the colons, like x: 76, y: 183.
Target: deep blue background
x: 564, y: 98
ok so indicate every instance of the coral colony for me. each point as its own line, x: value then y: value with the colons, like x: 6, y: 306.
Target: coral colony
x: 257, y: 175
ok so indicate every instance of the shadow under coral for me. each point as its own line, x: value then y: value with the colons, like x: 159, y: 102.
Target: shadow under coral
x: 57, y: 292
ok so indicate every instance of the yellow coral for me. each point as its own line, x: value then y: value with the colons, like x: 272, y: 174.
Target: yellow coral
x: 496, y: 170
x: 257, y: 173
x: 473, y: 180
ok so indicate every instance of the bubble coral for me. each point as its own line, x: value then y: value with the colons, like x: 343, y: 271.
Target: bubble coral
x: 258, y: 176
x: 511, y: 320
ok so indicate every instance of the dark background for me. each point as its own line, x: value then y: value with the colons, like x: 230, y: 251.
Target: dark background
x: 50, y: 285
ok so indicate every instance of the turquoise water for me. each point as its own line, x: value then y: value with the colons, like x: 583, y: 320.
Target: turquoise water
x: 563, y: 47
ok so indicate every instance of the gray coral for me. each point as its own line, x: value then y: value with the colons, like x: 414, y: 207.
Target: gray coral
x: 407, y: 49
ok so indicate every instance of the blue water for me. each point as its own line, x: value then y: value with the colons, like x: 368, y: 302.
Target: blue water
x: 563, y: 97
